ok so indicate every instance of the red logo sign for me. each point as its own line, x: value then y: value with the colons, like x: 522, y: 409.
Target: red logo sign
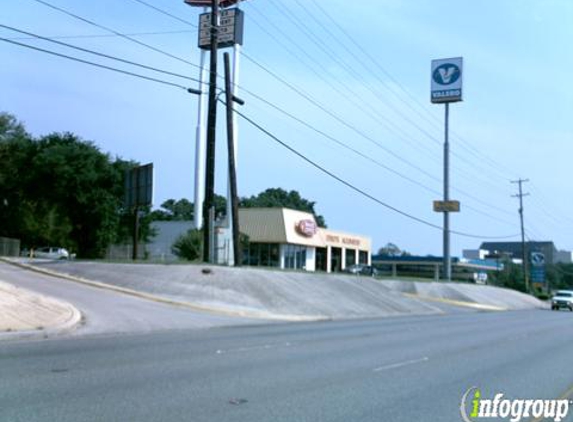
x: 207, y: 3
x: 306, y: 227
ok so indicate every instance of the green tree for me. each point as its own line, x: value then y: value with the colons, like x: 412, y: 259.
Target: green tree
x: 279, y: 198
x: 392, y: 250
x: 189, y: 245
x: 183, y: 209
x: 59, y: 190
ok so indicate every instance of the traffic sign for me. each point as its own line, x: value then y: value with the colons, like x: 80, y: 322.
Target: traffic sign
x: 447, y: 80
x: 447, y: 206
x: 230, y: 29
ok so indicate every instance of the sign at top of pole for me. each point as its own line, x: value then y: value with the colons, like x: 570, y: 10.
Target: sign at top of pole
x: 207, y: 3
x: 447, y: 80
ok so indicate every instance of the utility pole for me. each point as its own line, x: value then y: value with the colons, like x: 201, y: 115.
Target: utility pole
x: 208, y: 205
x: 524, y: 255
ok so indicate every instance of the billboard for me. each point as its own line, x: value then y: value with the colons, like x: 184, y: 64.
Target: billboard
x: 447, y: 80
x: 139, y: 186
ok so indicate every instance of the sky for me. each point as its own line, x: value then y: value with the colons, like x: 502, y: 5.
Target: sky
x: 345, y: 85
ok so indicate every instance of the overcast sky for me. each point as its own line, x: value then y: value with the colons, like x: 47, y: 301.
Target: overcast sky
x: 357, y: 74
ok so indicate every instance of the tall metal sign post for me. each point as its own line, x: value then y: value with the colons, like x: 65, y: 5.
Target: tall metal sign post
x: 446, y: 88
x: 217, y: 29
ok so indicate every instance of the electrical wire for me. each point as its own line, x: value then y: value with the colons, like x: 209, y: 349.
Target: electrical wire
x: 353, y: 187
x: 107, y: 56
x: 101, y: 66
x: 133, y: 34
x: 170, y: 55
x: 119, y: 34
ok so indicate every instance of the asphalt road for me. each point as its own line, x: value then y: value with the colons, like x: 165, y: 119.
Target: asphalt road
x: 393, y: 369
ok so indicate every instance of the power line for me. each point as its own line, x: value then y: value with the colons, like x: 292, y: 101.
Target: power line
x: 133, y: 34
x: 101, y: 66
x: 163, y: 12
x: 119, y: 34
x: 353, y: 187
x: 107, y: 56
x: 466, y: 145
x: 170, y: 55
x: 340, y: 120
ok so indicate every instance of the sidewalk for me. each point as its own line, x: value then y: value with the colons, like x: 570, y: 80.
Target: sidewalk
x: 23, y: 310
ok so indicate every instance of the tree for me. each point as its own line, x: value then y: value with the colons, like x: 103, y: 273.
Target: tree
x: 189, y: 245
x: 392, y: 250
x: 60, y: 190
x: 279, y: 198
x: 183, y: 209
x: 172, y: 210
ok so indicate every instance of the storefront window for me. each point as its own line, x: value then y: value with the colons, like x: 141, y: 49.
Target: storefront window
x: 295, y: 257
x: 262, y: 255
x: 350, y: 257
x: 363, y: 257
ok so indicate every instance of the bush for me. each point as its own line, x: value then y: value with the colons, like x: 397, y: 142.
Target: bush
x: 189, y: 245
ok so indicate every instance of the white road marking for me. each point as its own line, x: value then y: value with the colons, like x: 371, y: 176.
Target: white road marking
x: 401, y: 364
x: 253, y: 348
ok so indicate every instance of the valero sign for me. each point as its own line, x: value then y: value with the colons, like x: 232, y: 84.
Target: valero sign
x: 307, y: 228
x: 447, y: 80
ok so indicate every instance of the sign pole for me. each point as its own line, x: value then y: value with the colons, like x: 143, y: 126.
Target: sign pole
x: 200, y: 147
x: 446, y: 88
x: 447, y: 258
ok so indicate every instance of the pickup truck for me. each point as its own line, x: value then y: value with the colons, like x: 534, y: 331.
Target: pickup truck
x: 562, y: 299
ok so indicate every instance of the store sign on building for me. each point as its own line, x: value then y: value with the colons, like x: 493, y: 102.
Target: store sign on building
x: 338, y: 240
x: 307, y: 228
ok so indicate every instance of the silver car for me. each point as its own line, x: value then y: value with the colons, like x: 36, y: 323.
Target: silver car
x: 50, y: 252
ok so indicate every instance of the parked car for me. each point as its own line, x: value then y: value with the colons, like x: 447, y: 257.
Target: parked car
x: 562, y: 299
x: 361, y: 269
x: 50, y: 252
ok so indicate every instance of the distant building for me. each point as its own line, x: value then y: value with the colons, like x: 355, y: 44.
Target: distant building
x: 475, y: 253
x: 290, y: 239
x: 514, y: 250
x: 166, y: 233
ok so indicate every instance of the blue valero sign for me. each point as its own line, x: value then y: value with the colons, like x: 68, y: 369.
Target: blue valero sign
x: 447, y: 80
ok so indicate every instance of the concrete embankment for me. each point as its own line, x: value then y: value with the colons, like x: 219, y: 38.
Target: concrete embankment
x: 290, y: 295
x: 22, y: 310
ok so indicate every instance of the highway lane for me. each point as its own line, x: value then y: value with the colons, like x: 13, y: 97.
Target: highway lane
x: 394, y: 369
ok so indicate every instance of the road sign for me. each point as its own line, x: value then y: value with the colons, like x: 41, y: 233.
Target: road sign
x: 447, y: 80
x: 447, y: 206
x: 230, y: 29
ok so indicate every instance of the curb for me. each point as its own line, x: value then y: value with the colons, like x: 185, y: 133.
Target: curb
x: 159, y: 299
x: 473, y: 305
x: 73, y: 317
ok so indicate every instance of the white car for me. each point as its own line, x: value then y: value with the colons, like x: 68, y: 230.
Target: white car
x: 51, y: 253
x: 562, y: 299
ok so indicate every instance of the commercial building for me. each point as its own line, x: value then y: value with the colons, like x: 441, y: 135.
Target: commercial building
x: 291, y: 239
x: 514, y: 250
